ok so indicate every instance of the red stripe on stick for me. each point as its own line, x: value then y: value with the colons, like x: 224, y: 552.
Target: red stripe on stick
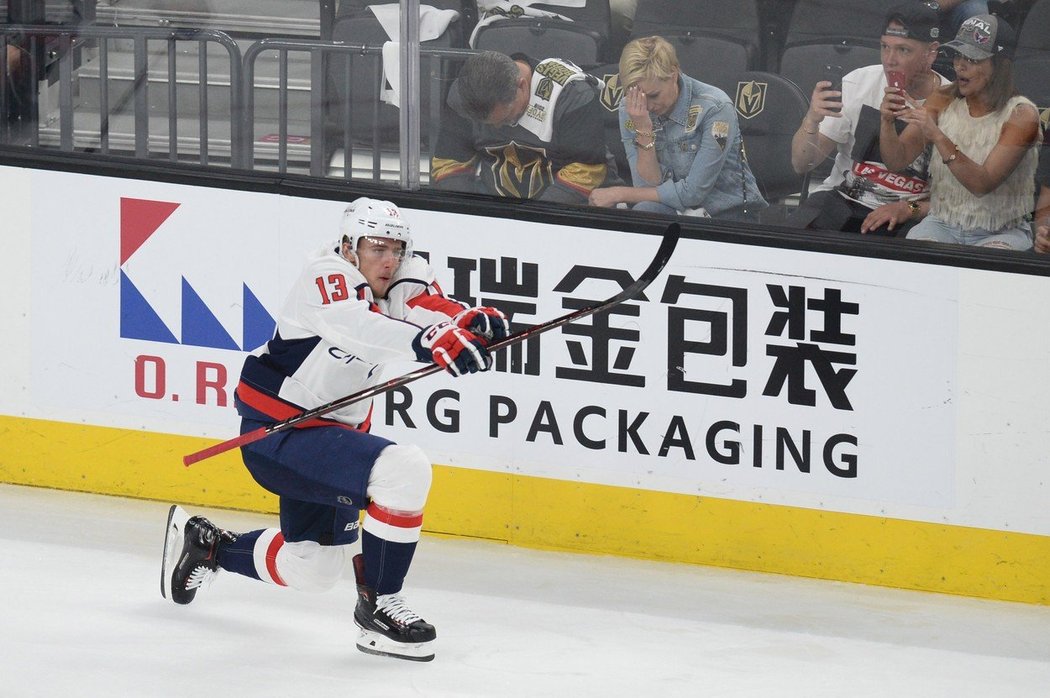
x: 244, y: 439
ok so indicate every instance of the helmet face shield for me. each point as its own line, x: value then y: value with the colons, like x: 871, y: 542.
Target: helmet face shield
x: 372, y: 246
x: 375, y: 218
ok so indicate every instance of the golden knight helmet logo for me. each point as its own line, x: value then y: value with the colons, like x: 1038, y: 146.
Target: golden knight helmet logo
x: 750, y: 98
x: 613, y: 92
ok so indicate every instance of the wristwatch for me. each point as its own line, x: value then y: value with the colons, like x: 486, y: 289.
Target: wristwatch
x: 913, y: 208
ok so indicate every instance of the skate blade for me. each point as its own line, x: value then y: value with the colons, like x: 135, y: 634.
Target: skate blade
x: 379, y: 645
x: 173, y: 544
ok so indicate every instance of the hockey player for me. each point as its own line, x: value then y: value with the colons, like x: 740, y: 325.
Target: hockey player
x: 358, y: 303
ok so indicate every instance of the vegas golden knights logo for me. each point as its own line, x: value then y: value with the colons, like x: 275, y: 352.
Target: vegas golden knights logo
x: 520, y: 171
x: 613, y: 92
x: 545, y: 88
x: 750, y: 98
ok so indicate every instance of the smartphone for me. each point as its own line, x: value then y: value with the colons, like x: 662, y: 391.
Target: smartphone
x: 895, y: 78
x: 833, y: 74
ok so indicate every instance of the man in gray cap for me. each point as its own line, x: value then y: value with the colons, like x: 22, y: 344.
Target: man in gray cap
x: 861, y: 194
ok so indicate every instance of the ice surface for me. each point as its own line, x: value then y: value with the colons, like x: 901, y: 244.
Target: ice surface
x: 83, y: 616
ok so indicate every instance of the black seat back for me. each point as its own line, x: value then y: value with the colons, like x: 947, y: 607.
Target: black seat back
x: 611, y: 95
x: 769, y: 109
x: 714, y: 39
x: 356, y: 25
x: 1033, y: 36
x: 549, y: 37
x: 542, y: 38
x: 716, y: 60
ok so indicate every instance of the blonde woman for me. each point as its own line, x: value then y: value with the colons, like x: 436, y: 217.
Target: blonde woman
x: 682, y: 141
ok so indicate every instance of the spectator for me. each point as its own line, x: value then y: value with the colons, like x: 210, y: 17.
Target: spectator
x: 682, y: 140
x: 860, y: 194
x: 1042, y: 206
x: 517, y: 127
x: 985, y: 139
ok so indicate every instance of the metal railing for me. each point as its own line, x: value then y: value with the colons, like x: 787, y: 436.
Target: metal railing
x: 333, y: 97
x: 346, y: 86
x: 67, y: 46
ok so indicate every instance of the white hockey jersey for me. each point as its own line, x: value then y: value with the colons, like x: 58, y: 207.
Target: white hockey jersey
x: 332, y: 337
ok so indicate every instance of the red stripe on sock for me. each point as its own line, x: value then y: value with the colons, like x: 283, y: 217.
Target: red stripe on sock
x: 271, y: 558
x: 394, y: 519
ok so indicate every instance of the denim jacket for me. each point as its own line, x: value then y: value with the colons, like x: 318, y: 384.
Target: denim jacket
x: 698, y: 146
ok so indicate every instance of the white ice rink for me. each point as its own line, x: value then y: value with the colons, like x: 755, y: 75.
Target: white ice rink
x: 83, y: 616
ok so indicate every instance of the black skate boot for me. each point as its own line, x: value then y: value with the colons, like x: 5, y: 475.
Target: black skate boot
x: 189, y: 560
x: 388, y: 626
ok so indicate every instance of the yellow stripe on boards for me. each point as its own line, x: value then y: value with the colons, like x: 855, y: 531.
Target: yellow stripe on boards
x: 560, y: 515
x: 124, y: 462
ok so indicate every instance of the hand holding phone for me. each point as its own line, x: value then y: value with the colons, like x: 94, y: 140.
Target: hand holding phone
x: 895, y: 78
x: 833, y: 74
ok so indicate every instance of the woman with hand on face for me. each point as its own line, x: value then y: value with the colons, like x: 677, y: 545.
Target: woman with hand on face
x: 682, y: 140
x: 985, y: 139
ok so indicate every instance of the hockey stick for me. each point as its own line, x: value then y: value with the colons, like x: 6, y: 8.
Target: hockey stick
x: 663, y: 254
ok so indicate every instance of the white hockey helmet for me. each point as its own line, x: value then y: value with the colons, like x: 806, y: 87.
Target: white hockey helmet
x: 376, y: 218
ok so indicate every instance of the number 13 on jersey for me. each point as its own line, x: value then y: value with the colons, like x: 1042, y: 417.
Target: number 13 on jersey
x: 332, y: 288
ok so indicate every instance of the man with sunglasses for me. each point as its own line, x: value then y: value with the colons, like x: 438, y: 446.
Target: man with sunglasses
x: 360, y: 302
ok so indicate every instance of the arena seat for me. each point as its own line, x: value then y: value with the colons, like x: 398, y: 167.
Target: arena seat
x: 769, y: 108
x: 715, y: 40
x: 584, y: 40
x: 611, y: 95
x: 846, y: 33
x: 355, y: 24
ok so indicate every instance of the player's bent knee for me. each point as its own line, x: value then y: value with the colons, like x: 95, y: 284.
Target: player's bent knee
x: 400, y: 478
x: 310, y: 566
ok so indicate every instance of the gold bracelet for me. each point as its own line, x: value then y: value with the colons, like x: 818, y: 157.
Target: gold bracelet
x: 647, y: 134
x: 651, y: 145
x: 951, y: 158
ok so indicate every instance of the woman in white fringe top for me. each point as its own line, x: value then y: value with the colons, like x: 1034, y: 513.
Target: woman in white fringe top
x: 985, y: 138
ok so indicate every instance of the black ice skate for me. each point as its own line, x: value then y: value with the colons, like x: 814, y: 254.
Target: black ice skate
x: 189, y: 560
x: 388, y: 626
